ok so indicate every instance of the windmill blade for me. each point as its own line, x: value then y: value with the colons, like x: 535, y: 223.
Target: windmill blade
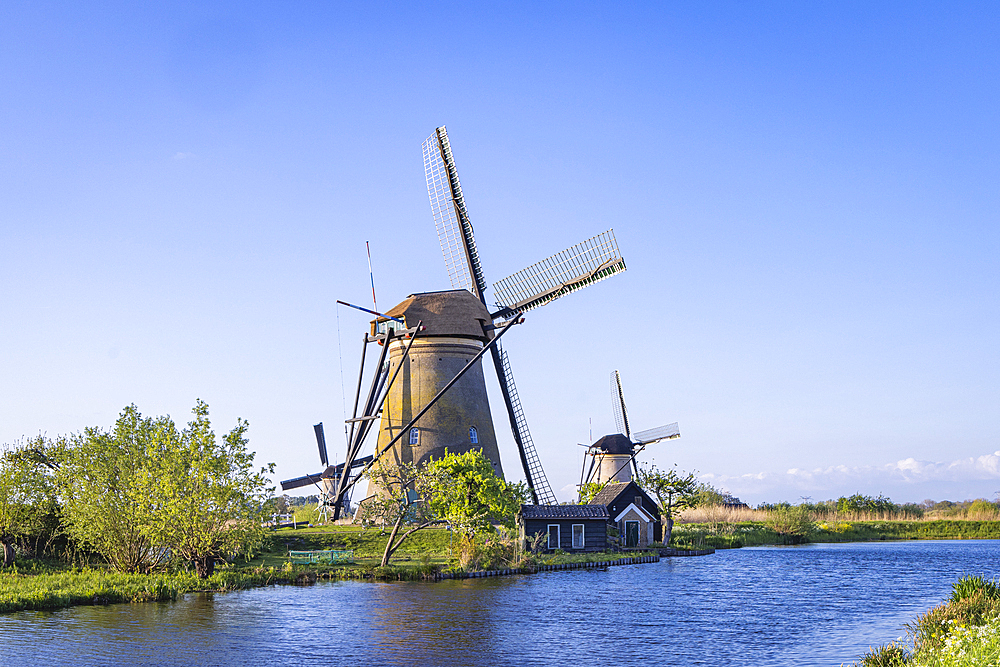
x: 538, y: 484
x: 658, y: 433
x: 572, y: 269
x: 321, y: 443
x: 618, y: 405
x: 450, y: 217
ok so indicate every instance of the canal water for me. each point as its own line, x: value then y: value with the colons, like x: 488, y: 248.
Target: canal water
x: 820, y: 604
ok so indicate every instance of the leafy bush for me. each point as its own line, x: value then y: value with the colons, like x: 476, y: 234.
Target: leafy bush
x: 890, y: 655
x: 790, y: 521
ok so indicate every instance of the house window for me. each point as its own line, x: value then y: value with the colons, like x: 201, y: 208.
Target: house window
x: 578, y: 536
x: 473, y: 435
x: 414, y: 436
x: 553, y: 536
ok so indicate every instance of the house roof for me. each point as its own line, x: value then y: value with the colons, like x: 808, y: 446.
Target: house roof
x: 609, y: 493
x: 564, y: 511
x: 614, y: 490
x: 640, y: 511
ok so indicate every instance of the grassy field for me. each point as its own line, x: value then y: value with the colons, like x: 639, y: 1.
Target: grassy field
x: 755, y: 533
x: 53, y: 584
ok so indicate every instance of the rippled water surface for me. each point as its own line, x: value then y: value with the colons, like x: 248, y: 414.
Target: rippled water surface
x: 807, y: 605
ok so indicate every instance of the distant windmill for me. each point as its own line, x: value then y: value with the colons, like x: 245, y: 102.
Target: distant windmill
x: 326, y: 481
x: 428, y: 389
x: 613, y: 456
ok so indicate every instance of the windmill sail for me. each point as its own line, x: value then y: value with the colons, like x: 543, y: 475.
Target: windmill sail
x: 618, y: 405
x: 658, y: 433
x: 572, y: 269
x: 321, y: 443
x: 450, y: 217
x: 537, y: 482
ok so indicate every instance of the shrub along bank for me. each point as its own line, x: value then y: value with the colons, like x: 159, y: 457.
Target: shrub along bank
x: 963, y: 632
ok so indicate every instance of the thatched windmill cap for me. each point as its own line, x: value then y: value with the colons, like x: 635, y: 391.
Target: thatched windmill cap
x: 615, y: 444
x: 454, y: 313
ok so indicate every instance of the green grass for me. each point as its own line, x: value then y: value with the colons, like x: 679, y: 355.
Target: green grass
x: 963, y: 632
x: 56, y: 589
x: 52, y: 584
x: 755, y: 533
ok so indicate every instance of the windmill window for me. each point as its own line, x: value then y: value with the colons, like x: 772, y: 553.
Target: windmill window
x: 414, y: 436
x: 578, y: 540
x: 553, y: 542
x: 473, y: 435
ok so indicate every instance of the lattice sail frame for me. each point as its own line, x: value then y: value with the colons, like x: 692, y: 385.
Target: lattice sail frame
x: 458, y: 245
x: 659, y: 433
x: 618, y: 404
x: 572, y: 269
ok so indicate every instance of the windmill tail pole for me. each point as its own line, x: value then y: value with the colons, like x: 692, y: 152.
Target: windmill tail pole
x: 368, y: 310
x: 472, y: 362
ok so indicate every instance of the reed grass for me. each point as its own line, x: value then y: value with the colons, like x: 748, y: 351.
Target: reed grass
x: 962, y: 632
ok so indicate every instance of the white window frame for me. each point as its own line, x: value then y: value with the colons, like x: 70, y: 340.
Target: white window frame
x: 548, y: 531
x: 583, y: 536
x: 414, y: 436
x: 474, y: 435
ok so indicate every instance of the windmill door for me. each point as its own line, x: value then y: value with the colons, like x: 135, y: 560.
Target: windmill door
x: 631, y: 534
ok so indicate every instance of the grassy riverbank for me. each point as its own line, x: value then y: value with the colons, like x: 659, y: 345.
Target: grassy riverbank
x: 963, y: 632
x: 725, y: 535
x: 53, y: 584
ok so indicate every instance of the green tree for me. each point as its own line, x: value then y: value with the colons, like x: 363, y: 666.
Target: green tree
x: 143, y: 492
x: 673, y: 490
x: 590, y: 490
x: 108, y: 491
x: 399, y: 496
x: 471, y: 497
x: 29, y: 512
x: 792, y: 521
x: 211, y: 501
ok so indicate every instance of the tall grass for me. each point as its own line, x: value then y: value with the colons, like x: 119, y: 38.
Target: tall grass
x: 963, y: 632
x: 723, y: 514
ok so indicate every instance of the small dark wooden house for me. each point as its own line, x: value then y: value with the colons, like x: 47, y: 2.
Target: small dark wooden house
x: 567, y: 527
x: 643, y: 523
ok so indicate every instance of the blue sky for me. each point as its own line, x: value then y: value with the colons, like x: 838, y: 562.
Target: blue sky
x: 805, y: 195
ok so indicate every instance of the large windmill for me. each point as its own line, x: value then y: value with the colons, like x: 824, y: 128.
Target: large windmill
x: 428, y: 390
x: 612, y: 458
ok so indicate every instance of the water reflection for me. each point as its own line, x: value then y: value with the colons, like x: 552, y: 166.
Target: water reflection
x: 812, y: 605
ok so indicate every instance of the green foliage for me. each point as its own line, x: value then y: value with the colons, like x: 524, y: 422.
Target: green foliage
x: 400, y: 496
x: 890, y: 655
x: 29, y: 511
x: 107, y: 487
x: 790, y: 521
x: 672, y: 489
x: 706, y: 495
x: 209, y: 497
x: 589, y: 491
x: 469, y: 495
x: 858, y: 504
x: 142, y: 491
x: 970, y: 585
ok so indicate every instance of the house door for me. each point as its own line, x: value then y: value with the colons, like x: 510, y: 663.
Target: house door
x: 631, y: 534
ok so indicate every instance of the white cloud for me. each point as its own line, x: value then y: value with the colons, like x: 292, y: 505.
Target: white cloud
x: 899, y: 477
x: 183, y: 156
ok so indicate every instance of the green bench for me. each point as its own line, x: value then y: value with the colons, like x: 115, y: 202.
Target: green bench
x: 331, y: 556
